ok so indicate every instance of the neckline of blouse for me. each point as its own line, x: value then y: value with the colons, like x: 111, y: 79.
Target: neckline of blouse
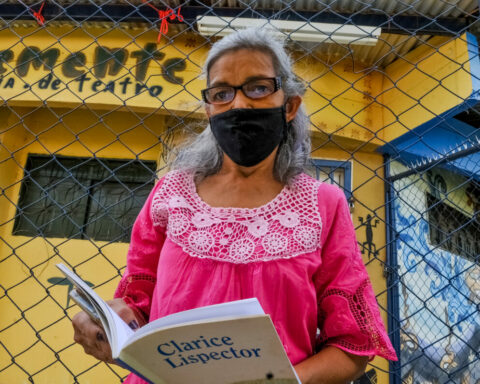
x: 267, y: 207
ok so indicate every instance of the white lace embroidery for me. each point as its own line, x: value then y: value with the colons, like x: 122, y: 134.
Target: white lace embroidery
x: 288, y: 226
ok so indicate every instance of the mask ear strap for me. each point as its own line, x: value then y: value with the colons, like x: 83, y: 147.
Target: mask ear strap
x: 288, y: 124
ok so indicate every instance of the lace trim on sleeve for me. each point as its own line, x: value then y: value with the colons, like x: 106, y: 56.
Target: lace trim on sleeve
x: 136, y: 290
x: 128, y: 279
x: 372, y: 341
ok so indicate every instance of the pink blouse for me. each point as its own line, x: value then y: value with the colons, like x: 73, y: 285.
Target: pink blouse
x: 297, y: 254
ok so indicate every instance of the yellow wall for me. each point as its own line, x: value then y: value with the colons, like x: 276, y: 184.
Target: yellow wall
x: 373, y: 106
x: 424, y: 84
x: 121, y: 135
x: 26, y: 89
x: 368, y: 192
x: 340, y: 101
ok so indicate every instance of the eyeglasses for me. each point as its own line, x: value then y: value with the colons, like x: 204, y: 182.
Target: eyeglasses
x: 253, y: 89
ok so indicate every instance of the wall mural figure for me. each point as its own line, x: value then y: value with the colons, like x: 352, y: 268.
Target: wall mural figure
x: 369, y: 244
x: 440, y: 289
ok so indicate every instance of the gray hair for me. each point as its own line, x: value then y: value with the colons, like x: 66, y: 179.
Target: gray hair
x: 203, y: 156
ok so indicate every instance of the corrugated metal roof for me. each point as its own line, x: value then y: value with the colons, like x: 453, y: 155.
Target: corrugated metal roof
x: 389, y: 47
x: 428, y: 8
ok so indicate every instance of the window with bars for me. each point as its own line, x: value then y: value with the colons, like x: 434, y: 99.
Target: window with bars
x: 452, y: 230
x: 334, y: 172
x: 82, y: 198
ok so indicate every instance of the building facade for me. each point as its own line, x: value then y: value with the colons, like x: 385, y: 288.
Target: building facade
x: 92, y: 108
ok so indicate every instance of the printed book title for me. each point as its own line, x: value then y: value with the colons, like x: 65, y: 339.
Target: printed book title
x: 176, y: 352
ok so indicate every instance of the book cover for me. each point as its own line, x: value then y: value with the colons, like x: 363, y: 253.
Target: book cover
x: 228, y: 343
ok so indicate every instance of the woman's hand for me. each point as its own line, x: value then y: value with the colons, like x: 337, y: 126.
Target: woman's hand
x: 91, y: 335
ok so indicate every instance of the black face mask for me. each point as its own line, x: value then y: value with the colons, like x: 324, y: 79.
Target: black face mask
x: 248, y: 136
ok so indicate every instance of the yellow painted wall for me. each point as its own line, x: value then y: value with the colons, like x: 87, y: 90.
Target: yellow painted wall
x: 348, y: 102
x: 369, y: 195
x: 121, y: 135
x: 424, y: 84
x: 26, y: 91
x: 341, y: 102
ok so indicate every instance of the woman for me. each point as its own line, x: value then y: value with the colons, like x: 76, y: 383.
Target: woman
x: 237, y: 218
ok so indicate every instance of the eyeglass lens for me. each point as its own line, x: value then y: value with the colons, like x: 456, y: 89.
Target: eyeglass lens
x: 254, y: 89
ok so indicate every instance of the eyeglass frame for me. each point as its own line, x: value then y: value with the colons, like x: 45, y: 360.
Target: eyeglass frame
x: 277, y: 86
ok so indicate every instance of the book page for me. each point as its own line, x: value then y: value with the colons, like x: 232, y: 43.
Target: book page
x: 115, y: 328
x: 231, y: 309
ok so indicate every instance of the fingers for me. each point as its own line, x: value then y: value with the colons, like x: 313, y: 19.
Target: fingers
x: 91, y: 337
x: 125, y: 312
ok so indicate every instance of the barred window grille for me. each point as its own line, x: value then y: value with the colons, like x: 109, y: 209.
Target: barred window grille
x: 452, y: 230
x: 82, y: 198
x: 338, y: 173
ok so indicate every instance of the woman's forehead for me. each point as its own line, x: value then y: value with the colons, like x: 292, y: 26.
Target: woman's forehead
x: 244, y: 63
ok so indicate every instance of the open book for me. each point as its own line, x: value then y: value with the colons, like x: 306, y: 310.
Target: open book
x: 229, y: 343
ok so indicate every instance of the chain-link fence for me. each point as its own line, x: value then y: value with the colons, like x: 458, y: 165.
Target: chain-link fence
x: 96, y: 94
x: 435, y: 221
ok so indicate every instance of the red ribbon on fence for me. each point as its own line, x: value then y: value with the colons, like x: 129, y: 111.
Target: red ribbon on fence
x: 38, y: 14
x: 164, y: 16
